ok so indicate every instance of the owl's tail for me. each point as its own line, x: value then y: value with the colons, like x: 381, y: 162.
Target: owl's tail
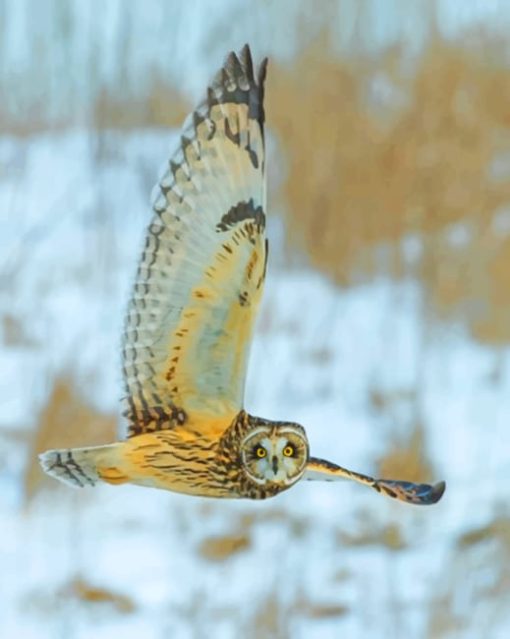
x: 81, y: 467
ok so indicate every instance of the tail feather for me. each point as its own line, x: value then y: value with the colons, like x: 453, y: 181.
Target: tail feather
x: 77, y: 467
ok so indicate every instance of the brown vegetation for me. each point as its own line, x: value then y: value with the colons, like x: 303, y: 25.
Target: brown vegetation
x: 66, y: 421
x: 161, y: 106
x: 380, y: 151
x: 376, y: 153
x: 222, y: 547
x: 478, y: 573
x: 407, y: 459
x: 388, y: 536
x: 82, y: 591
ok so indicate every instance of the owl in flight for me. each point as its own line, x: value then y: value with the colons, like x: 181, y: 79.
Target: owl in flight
x: 190, y: 322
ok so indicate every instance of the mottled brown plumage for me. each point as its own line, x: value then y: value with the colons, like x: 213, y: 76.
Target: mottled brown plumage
x: 190, y: 320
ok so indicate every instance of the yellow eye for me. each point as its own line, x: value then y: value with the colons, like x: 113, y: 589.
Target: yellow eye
x: 289, y: 451
x: 260, y: 451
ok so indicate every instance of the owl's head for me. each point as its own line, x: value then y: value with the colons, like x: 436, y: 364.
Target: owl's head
x: 275, y: 453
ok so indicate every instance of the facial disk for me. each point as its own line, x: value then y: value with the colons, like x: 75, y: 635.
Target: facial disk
x: 276, y: 453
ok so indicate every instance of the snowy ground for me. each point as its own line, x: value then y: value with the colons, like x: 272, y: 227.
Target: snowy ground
x: 319, y: 561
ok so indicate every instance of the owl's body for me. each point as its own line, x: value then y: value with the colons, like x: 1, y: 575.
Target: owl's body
x: 202, y: 459
x: 190, y: 321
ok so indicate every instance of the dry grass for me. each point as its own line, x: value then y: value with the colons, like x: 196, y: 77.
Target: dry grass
x: 276, y: 619
x: 388, y: 536
x: 376, y: 153
x: 14, y: 333
x: 66, y: 421
x: 161, y: 106
x: 321, y: 611
x: 82, y: 591
x: 478, y: 575
x: 271, y: 619
x: 407, y: 459
x: 497, y: 530
x: 223, y: 547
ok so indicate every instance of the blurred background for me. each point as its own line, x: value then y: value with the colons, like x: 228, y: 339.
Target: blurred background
x: 384, y: 329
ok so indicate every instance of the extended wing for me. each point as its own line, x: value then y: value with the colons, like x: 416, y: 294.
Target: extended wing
x: 421, y: 494
x: 190, y: 320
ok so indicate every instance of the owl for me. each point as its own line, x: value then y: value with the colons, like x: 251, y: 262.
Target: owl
x: 190, y: 321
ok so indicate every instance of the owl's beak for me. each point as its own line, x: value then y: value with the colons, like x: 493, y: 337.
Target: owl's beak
x: 275, y: 464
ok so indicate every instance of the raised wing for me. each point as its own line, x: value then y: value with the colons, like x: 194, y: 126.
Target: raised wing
x: 420, y: 494
x: 200, y: 279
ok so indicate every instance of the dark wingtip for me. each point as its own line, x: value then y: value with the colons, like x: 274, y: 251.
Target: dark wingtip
x: 424, y: 494
x: 419, y: 494
x: 238, y: 82
x: 437, y: 492
x: 262, y: 72
x: 246, y: 59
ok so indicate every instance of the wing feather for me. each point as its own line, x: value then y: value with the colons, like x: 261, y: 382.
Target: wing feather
x: 409, y: 492
x: 199, y: 282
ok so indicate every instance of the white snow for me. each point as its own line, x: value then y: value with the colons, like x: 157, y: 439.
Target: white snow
x: 71, y: 224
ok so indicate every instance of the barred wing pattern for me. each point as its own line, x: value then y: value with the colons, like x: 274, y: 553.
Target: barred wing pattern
x: 409, y: 492
x: 200, y: 279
